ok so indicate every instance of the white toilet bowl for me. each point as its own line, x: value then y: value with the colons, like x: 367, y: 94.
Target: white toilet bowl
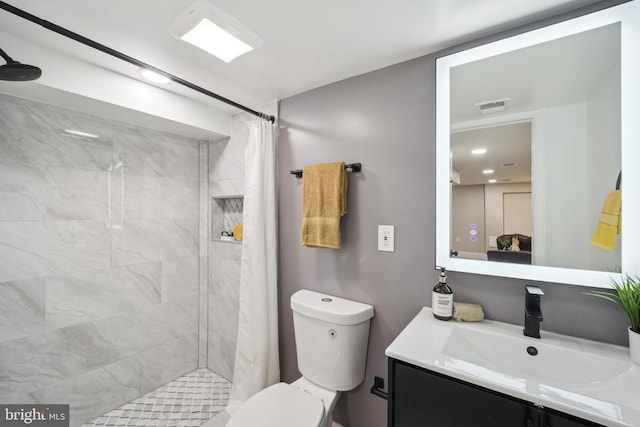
x: 280, y: 405
x: 287, y: 405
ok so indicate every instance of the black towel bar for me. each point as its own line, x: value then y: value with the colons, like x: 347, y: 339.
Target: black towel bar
x: 355, y: 167
x: 619, y: 181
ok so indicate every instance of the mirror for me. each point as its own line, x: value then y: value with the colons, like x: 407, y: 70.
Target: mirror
x: 554, y: 111
x: 568, y: 91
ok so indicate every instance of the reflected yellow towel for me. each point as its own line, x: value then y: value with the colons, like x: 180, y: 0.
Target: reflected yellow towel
x: 610, y: 222
x: 324, y: 201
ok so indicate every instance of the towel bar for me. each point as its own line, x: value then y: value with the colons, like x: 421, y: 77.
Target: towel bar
x: 355, y: 167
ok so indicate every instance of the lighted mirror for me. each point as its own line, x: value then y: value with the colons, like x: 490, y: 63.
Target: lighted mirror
x: 533, y: 132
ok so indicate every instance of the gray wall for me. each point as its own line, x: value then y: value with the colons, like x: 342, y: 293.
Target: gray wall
x: 386, y: 121
x: 94, y: 310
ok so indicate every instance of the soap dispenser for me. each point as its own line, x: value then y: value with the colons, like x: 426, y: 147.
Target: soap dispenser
x: 442, y: 298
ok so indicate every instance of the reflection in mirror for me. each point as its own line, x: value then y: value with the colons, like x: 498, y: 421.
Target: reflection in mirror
x: 491, y: 192
x: 533, y: 134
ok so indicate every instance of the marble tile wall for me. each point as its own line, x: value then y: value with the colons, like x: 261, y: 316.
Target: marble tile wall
x: 203, y: 251
x: 100, y: 261
x: 226, y: 178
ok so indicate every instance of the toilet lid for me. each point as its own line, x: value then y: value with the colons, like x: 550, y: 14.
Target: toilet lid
x: 280, y: 405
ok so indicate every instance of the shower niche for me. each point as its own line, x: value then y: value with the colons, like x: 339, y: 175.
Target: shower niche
x: 226, y: 218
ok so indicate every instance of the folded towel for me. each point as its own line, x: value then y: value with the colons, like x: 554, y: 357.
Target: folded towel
x: 465, y: 312
x: 324, y: 201
x: 610, y: 222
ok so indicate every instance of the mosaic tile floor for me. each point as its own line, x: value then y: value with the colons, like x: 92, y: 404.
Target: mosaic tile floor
x: 190, y: 400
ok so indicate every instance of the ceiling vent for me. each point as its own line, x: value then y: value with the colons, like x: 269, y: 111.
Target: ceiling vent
x: 494, y: 106
x: 509, y: 165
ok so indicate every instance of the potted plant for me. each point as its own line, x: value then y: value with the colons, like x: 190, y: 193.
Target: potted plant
x: 628, y: 298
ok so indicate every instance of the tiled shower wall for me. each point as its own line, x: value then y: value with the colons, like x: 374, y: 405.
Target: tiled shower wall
x: 226, y: 178
x: 99, y: 259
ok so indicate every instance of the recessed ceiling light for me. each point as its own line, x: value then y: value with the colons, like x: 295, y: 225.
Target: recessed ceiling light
x: 478, y: 151
x: 492, y: 181
x: 214, y: 31
x: 153, y: 76
x: 81, y: 134
x: 487, y: 171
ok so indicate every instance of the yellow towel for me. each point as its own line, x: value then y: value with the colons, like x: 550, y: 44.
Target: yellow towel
x: 610, y: 222
x: 324, y: 201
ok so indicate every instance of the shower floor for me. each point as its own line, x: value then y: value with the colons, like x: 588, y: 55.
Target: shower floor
x: 190, y: 400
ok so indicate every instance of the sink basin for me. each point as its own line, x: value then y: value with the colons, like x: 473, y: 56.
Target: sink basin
x: 496, y: 346
x: 588, y: 379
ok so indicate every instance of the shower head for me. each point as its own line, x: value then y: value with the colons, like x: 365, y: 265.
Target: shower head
x: 16, y: 72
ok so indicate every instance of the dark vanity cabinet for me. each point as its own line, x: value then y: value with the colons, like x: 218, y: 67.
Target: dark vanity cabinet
x: 422, y: 398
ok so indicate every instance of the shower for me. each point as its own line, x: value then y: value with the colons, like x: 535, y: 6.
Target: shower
x: 16, y: 72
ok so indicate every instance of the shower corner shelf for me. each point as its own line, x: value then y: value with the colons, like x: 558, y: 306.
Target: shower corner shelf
x: 230, y: 242
x: 226, y: 212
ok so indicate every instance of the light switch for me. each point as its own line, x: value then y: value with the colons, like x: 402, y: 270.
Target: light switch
x: 386, y: 238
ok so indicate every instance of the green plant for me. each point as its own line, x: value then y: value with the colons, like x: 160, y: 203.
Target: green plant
x: 627, y: 297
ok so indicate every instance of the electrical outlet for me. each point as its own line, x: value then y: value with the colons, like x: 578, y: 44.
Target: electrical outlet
x: 386, y: 238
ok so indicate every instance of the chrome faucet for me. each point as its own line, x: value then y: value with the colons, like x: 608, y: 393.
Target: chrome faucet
x: 532, y: 313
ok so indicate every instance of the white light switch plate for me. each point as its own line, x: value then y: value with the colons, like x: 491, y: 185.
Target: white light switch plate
x: 386, y: 238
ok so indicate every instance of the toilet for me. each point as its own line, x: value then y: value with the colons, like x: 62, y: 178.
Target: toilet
x: 332, y: 336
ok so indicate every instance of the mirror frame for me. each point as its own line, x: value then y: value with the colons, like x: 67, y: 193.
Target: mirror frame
x: 628, y: 15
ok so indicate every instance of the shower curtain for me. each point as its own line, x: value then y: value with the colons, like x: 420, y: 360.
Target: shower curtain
x: 257, y: 362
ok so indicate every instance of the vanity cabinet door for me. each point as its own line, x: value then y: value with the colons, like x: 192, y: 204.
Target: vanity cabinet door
x: 420, y: 398
x: 556, y: 419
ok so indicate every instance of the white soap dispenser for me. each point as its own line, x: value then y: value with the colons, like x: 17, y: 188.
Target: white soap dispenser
x: 442, y: 298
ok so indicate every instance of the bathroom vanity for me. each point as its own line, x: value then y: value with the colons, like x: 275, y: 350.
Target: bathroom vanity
x: 489, y: 374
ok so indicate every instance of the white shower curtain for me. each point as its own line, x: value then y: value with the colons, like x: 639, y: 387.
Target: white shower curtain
x: 257, y: 362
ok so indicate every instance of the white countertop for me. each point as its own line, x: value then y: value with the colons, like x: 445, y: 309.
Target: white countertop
x: 587, y: 379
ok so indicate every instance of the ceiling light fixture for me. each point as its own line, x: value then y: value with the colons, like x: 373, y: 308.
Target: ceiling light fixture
x: 487, y: 171
x: 81, y: 134
x: 492, y: 181
x: 214, y: 31
x: 478, y: 151
x: 154, y: 77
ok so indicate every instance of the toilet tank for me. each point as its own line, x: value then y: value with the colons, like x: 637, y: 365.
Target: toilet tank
x: 332, y: 336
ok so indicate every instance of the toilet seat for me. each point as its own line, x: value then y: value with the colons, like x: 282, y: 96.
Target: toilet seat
x: 280, y: 405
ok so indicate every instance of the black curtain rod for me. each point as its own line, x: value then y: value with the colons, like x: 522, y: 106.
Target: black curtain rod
x: 91, y: 43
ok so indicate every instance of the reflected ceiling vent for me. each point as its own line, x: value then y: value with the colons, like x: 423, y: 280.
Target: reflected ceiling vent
x: 509, y: 165
x: 495, y: 106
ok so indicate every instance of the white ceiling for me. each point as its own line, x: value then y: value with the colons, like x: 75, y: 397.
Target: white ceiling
x: 508, y: 154
x: 306, y: 44
x: 560, y: 72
